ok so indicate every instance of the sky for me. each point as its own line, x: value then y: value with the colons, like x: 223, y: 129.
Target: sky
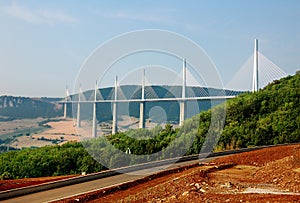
x: 43, y: 44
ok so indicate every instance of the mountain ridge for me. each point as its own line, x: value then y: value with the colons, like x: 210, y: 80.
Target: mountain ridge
x: 12, y: 107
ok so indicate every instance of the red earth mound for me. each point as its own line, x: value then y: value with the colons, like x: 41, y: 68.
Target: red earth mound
x: 266, y: 175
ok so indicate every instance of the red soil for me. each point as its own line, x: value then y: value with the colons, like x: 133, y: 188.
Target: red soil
x: 268, y: 170
x: 18, y: 183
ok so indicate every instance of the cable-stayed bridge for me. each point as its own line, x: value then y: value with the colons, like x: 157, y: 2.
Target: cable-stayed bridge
x: 263, y: 71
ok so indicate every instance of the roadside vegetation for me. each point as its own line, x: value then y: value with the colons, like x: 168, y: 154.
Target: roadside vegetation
x: 269, y: 116
x: 70, y: 158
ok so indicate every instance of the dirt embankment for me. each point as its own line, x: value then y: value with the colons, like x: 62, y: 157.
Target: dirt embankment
x: 267, y: 175
x: 13, y: 184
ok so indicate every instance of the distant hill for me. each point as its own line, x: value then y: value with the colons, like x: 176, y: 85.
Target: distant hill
x: 24, y: 107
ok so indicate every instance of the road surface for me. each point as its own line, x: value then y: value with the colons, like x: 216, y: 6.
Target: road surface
x: 58, y: 193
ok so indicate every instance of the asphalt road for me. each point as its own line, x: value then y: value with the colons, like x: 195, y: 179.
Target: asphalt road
x: 58, y: 193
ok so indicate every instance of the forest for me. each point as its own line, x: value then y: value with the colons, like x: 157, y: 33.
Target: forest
x: 269, y: 116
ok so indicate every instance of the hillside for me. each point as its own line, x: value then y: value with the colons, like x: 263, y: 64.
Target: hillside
x: 24, y: 107
x: 269, y: 116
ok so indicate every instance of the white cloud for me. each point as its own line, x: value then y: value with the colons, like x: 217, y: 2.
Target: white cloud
x: 39, y: 16
x: 148, y: 16
x: 141, y: 17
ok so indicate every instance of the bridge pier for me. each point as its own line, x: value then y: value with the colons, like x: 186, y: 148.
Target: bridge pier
x: 94, y: 128
x: 65, y: 110
x: 78, y: 115
x: 183, y: 94
x: 142, y: 103
x: 65, y: 103
x: 181, y: 113
x: 114, y: 113
x: 78, y: 108
x: 142, y: 115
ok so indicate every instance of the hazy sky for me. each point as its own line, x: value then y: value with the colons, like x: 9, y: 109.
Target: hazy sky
x: 44, y: 43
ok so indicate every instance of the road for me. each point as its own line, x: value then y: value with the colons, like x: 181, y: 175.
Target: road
x: 80, y: 188
x: 58, y: 193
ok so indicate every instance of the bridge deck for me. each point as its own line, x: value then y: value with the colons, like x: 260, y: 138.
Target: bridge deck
x: 154, y: 99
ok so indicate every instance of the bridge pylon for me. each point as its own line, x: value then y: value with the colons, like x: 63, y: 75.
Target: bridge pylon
x: 94, y: 128
x: 65, y: 103
x: 115, y: 119
x: 142, y: 103
x: 255, y: 67
x: 183, y: 94
x: 78, y: 107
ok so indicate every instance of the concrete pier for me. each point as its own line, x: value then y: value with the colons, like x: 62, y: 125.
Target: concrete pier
x: 65, y: 110
x: 94, y: 128
x: 78, y: 108
x: 114, y: 113
x: 183, y: 94
x: 142, y: 103
x: 65, y: 104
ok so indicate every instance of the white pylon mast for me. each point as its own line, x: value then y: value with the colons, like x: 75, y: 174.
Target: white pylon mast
x: 255, y: 67
x: 143, y: 85
x: 183, y: 78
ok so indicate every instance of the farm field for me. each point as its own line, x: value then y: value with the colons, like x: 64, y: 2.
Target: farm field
x: 57, y: 132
